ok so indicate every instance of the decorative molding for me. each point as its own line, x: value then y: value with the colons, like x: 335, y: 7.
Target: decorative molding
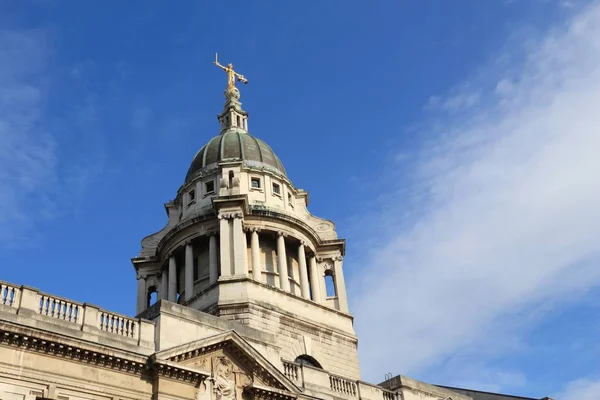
x: 231, y: 215
x: 73, y: 352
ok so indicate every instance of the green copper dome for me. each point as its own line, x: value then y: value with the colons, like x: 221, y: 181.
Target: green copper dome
x: 235, y: 145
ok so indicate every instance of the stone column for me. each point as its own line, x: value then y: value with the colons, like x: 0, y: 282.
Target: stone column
x: 315, y: 284
x: 213, y: 267
x: 255, y: 250
x: 284, y: 282
x: 340, y: 286
x: 141, y: 294
x: 239, y: 246
x: 189, y: 271
x: 172, y: 279
x: 304, y: 289
x: 225, y: 244
x: 164, y: 284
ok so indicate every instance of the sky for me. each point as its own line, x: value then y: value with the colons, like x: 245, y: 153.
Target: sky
x: 454, y: 144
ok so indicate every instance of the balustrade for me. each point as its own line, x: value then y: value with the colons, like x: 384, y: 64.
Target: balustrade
x: 9, y: 294
x: 388, y: 395
x: 291, y: 370
x: 342, y: 385
x: 56, y: 307
x: 117, y: 324
x: 77, y: 315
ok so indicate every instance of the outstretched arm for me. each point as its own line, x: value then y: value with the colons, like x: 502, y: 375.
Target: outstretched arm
x: 217, y: 63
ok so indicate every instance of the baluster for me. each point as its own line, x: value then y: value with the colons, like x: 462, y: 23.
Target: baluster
x: 53, y: 314
x: 101, y: 321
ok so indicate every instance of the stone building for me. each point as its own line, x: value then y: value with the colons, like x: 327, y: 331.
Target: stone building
x: 240, y: 296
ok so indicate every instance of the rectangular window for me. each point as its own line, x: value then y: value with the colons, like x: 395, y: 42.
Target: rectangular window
x: 209, y: 186
x: 191, y: 196
x: 276, y: 189
x: 255, y: 183
x: 290, y: 200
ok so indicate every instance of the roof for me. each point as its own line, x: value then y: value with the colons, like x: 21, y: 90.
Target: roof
x: 480, y: 395
x: 235, y: 145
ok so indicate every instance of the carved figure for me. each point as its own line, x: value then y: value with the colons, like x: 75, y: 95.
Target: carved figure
x: 224, y: 384
x: 231, y: 74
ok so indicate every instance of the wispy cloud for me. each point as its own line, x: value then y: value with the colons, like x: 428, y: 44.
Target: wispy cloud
x: 27, y: 152
x: 581, y: 389
x: 501, y: 219
x: 36, y: 185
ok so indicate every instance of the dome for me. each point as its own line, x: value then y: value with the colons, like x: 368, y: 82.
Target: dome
x: 235, y: 145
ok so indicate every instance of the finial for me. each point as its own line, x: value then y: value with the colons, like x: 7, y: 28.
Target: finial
x: 232, y: 117
x: 231, y: 74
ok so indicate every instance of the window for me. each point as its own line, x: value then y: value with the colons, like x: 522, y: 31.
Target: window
x: 230, y: 179
x: 305, y: 359
x: 290, y: 200
x: 191, y: 196
x: 276, y: 189
x: 255, y: 183
x: 152, y: 296
x: 209, y: 186
x: 329, y: 284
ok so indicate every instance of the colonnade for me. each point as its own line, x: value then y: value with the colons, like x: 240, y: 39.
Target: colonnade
x: 232, y: 253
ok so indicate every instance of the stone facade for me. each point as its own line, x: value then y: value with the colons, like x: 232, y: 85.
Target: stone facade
x: 240, y: 296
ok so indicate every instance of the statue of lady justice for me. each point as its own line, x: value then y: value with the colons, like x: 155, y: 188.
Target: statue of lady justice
x: 231, y: 74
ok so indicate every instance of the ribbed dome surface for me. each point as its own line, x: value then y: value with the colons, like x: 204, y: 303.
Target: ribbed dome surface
x: 235, y: 146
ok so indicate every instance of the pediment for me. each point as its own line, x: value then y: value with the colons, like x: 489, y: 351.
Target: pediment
x: 231, y: 362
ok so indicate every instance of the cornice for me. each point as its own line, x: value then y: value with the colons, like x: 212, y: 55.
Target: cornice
x: 128, y: 363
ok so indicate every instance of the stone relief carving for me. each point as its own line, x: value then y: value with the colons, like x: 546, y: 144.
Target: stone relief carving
x: 224, y: 379
x: 322, y: 227
x: 227, y: 381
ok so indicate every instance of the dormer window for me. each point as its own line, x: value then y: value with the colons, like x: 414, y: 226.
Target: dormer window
x: 255, y: 183
x: 276, y: 189
x: 209, y: 187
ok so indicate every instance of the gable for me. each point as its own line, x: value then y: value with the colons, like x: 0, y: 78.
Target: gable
x: 231, y: 361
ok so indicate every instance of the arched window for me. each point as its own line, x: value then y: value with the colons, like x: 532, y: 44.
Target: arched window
x: 152, y: 296
x: 305, y: 359
x: 330, y: 284
x: 230, y: 179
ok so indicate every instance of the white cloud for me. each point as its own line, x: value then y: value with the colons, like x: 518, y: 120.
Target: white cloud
x: 581, y: 389
x: 507, y: 218
x: 27, y: 152
x: 46, y: 161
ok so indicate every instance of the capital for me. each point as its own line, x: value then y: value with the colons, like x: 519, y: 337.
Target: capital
x: 282, y: 234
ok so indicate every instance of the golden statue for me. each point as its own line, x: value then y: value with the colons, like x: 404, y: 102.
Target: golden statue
x: 231, y: 74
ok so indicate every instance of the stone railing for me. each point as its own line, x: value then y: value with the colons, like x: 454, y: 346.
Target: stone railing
x: 55, y: 307
x: 9, y: 294
x: 342, y: 385
x: 118, y: 324
x: 30, y: 302
x: 319, y: 380
x: 291, y: 370
x: 387, y: 395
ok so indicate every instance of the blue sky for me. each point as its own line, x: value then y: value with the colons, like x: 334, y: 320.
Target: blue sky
x: 453, y: 143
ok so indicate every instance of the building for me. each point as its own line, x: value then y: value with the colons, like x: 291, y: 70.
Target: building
x: 233, y: 301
